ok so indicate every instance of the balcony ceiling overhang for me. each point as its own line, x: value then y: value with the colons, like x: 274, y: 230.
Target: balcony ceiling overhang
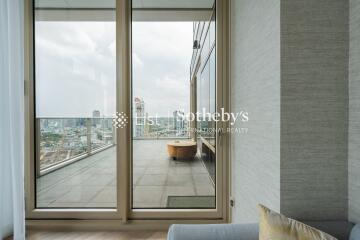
x: 143, y: 10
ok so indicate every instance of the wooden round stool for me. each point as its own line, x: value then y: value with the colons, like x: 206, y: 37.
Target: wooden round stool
x: 182, y: 149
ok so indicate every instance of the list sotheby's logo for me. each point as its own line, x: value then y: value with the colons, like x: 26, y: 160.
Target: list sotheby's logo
x: 120, y: 120
x: 221, y: 116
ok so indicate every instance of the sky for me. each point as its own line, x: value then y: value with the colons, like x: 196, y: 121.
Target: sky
x: 75, y: 67
x: 161, y: 65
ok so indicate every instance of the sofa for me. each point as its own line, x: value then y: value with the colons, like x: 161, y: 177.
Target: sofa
x: 342, y: 230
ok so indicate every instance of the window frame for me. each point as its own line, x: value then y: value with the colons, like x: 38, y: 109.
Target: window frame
x: 124, y: 213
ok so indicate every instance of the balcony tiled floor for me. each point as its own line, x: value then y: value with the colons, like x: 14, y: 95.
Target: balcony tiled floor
x: 91, y: 182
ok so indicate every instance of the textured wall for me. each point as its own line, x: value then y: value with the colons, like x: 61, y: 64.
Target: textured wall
x: 256, y: 88
x: 314, y: 103
x: 294, y: 158
x: 354, y: 113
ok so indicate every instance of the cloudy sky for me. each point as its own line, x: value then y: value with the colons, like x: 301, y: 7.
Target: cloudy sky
x: 75, y: 67
x: 161, y: 63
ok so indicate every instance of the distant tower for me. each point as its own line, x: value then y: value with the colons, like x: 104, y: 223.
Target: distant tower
x: 96, y: 114
x: 147, y: 126
x: 179, y: 122
x: 44, y: 123
x: 139, y: 117
x: 96, y: 117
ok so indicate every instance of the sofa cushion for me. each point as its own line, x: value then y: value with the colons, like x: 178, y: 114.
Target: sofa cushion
x: 274, y: 225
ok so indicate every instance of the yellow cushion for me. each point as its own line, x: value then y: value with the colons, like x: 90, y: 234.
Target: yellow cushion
x: 275, y: 226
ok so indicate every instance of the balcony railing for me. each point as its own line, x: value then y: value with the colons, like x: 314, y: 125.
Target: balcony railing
x: 165, y: 134
x: 61, y: 141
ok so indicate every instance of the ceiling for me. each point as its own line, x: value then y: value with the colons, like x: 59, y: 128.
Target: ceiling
x: 74, y: 3
x: 139, y: 4
x: 173, y: 3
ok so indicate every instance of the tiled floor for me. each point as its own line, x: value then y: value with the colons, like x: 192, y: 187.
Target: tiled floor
x: 91, y: 182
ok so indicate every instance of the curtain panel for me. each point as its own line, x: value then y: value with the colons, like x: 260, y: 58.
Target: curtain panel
x: 12, y: 212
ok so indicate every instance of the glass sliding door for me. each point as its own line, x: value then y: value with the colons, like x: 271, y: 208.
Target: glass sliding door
x: 119, y: 97
x: 173, y: 159
x: 75, y: 101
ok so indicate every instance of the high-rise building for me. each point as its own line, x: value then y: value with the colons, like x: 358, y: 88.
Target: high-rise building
x: 147, y: 126
x: 96, y: 114
x: 179, y: 122
x: 44, y: 123
x: 139, y: 117
x: 70, y: 122
x: 96, y: 117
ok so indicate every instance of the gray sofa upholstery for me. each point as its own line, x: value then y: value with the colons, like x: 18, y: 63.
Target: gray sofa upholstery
x: 355, y: 233
x: 340, y: 229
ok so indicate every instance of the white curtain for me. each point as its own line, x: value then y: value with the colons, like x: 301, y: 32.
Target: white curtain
x: 12, y: 213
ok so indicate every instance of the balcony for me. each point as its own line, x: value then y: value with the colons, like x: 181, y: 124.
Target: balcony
x: 66, y: 140
x: 88, y: 178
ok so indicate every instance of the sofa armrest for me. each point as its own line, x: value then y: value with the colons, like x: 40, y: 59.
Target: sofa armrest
x: 355, y: 232
x: 214, y: 232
